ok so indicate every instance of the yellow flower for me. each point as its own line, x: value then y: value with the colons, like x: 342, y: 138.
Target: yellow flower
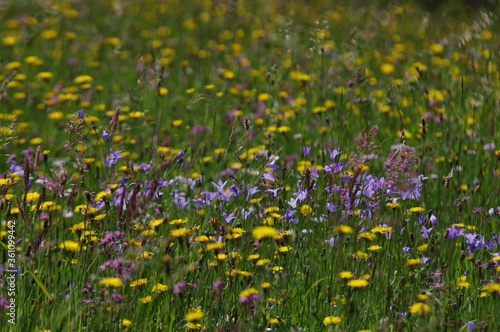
x: 194, y: 314
x: 393, y: 205
x: 423, y: 247
x: 158, y: 288
x: 412, y: 261
x: 235, y: 233
x: 78, y: 227
x: 417, y: 209
x: 253, y: 257
x: 193, y: 326
x: 180, y: 232
x: 44, y: 75
x: 345, y: 275
x: 111, y: 282
x: 261, y: 262
x: 284, y: 249
x: 139, y: 282
x: 374, y: 248
x: 156, y: 222
x: 331, y: 320
x: 306, y: 210
x: 260, y: 232
x: 49, y: 34
x: 30, y: 197
x: 146, y: 299
x: 436, y: 48
x: 343, y: 229
x: 148, y: 254
x: 176, y: 123
x: 491, y: 287
x: 83, y: 79
x: 381, y: 230
x: 263, y: 96
x: 247, y: 292
x: 357, y: 283
x: 361, y: 254
x: 420, y: 308
x: 387, y: 68
x: 422, y: 297
x: 178, y: 221
x: 214, y: 246
x: 274, y: 321
x: 366, y: 235
x: 202, y: 238
x: 70, y: 246
x: 126, y: 322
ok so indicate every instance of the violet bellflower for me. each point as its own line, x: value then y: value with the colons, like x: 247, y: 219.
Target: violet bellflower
x: 112, y: 157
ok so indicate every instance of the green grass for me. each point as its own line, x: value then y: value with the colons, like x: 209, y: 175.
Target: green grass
x: 149, y: 141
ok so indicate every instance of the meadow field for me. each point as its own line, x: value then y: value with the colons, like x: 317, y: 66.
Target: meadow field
x: 237, y: 165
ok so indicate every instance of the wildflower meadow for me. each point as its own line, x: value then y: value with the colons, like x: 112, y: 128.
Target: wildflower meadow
x: 244, y: 165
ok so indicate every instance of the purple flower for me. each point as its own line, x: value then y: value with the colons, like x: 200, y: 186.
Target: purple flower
x: 423, y: 260
x: 105, y: 135
x: 249, y: 299
x: 268, y: 176
x: 306, y: 150
x: 251, y: 191
x: 489, y: 146
x: 289, y: 216
x: 81, y: 114
x: 407, y: 250
x: 454, y: 232
x: 331, y: 207
x: 425, y: 232
x: 469, y: 238
x: 273, y: 192
x: 116, y: 297
x: 3, y: 302
x: 112, y: 157
x: 218, y: 285
x: 228, y: 217
x: 334, y: 153
x: 178, y: 287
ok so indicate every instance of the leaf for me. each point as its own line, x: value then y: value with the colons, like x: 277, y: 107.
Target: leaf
x: 42, y: 287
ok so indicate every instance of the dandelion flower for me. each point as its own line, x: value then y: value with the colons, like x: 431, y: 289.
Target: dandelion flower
x: 357, y: 283
x: 343, y: 229
x: 491, y: 287
x: 306, y: 210
x: 413, y: 261
x: 330, y: 320
x: 374, y: 248
x: 158, y: 288
x: 111, y: 282
x: 180, y: 232
x: 420, y: 308
x: 345, y: 275
x: 260, y: 232
x: 146, y: 299
x: 248, y: 295
x: 139, y: 282
x: 70, y: 246
x: 194, y: 314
